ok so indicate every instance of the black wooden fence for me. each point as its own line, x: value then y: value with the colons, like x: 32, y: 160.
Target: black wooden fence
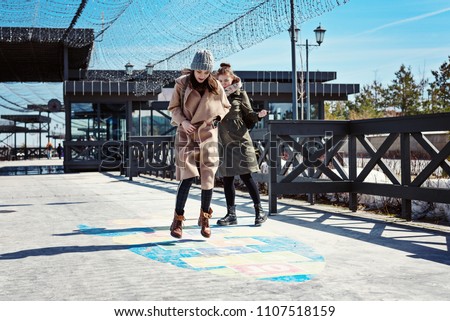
x: 314, y: 156
x: 21, y: 153
x: 321, y: 157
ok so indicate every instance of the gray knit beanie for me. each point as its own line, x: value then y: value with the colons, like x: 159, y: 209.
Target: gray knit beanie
x: 203, y: 60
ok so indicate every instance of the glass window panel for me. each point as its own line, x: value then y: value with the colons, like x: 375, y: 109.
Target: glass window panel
x: 82, y: 120
x: 112, y: 121
x: 280, y: 111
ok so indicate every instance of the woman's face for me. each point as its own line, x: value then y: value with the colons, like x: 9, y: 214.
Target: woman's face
x: 201, y: 75
x: 225, y: 80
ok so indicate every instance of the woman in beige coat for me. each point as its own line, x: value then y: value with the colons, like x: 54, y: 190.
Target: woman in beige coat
x: 197, y: 105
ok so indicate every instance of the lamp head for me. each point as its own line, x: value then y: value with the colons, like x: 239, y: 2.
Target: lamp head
x: 149, y: 68
x: 320, y: 34
x: 129, y: 68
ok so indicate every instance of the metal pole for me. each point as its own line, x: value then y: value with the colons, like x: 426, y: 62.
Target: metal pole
x: 294, y: 72
x: 26, y: 145
x: 302, y: 86
x: 308, y: 115
x: 129, y: 118
x: 40, y: 136
x: 308, y: 105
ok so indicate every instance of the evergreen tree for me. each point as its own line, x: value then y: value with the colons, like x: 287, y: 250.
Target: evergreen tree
x: 405, y: 93
x: 366, y: 103
x: 439, y: 91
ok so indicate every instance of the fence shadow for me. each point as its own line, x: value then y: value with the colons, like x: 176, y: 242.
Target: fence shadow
x: 409, y: 239
x: 301, y: 216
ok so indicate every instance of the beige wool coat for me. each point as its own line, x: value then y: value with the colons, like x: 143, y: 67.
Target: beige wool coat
x: 197, y: 154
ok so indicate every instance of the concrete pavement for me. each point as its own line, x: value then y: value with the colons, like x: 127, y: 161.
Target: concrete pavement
x: 100, y: 236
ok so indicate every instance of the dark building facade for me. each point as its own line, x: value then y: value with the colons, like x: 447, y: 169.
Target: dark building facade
x: 109, y: 106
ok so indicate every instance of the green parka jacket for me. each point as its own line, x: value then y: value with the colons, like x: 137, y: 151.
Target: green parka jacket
x: 237, y: 154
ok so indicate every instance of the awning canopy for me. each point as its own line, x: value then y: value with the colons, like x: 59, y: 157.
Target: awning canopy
x: 27, y: 119
x: 37, y: 54
x: 12, y: 129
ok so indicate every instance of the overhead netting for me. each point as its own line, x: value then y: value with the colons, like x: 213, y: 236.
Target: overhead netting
x: 166, y: 33
x: 163, y: 32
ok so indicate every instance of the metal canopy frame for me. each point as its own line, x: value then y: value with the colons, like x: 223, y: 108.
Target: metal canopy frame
x: 26, y: 119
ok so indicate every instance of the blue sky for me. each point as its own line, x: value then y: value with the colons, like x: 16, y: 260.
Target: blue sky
x: 364, y: 41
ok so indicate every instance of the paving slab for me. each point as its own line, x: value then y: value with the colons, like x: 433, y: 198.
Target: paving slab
x: 101, y: 236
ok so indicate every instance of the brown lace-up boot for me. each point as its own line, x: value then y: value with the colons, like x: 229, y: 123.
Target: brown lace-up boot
x: 203, y: 221
x: 176, y: 229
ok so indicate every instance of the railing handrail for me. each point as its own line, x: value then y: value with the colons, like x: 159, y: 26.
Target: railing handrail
x: 321, y: 157
x: 309, y: 167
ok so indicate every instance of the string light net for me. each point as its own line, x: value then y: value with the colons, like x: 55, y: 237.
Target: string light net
x: 166, y: 33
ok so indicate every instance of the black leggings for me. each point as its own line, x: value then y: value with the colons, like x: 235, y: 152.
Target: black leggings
x: 230, y: 192
x: 183, y: 193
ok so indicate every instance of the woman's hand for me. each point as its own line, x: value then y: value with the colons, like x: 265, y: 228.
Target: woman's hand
x: 188, y: 127
x: 262, y: 113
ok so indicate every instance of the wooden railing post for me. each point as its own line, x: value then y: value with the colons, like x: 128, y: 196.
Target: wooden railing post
x: 273, y: 160
x: 405, y: 150
x: 352, y: 169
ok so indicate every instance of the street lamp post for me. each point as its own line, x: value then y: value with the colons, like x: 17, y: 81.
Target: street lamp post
x: 320, y: 33
x: 293, y: 33
x: 294, y: 37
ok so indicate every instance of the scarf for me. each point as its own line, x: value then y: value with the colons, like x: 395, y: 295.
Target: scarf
x: 233, y: 87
